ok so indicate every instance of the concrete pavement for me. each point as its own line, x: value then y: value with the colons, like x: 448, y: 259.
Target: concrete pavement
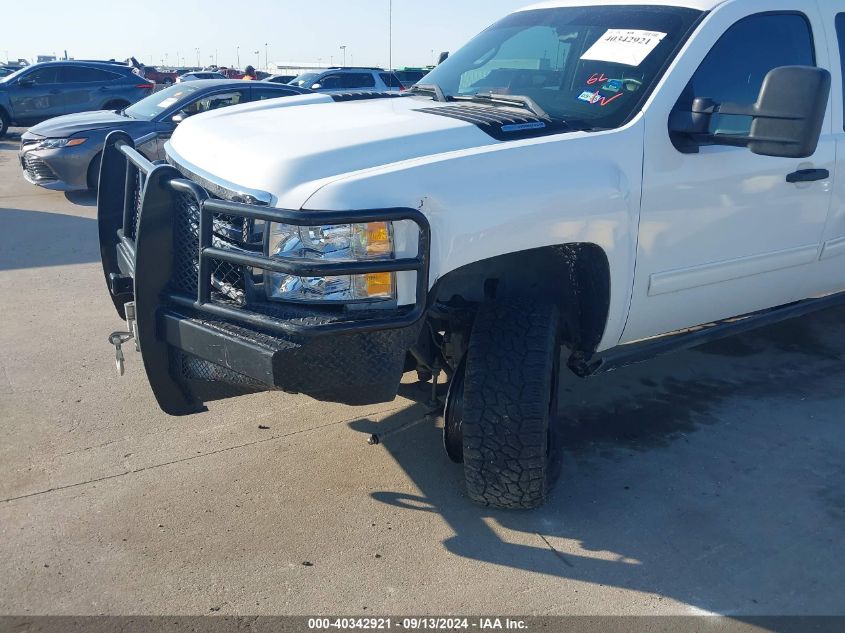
x: 708, y: 481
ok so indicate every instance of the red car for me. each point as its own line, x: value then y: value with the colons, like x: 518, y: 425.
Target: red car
x: 166, y: 77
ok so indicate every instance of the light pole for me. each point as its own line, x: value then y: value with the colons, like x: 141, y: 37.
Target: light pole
x: 266, y: 58
x: 198, y: 56
x: 238, y: 53
x: 258, y: 59
x: 343, y: 48
x: 389, y: 34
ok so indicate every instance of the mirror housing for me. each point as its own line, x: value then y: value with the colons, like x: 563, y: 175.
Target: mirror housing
x: 316, y: 86
x: 179, y: 117
x: 786, y: 120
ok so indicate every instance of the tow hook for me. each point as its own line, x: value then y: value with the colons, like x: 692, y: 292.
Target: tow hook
x: 118, y: 339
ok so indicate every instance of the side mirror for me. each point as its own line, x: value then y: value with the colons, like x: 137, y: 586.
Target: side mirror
x: 443, y: 57
x: 179, y: 117
x: 26, y: 83
x: 789, y: 112
x: 316, y: 86
x: 786, y: 120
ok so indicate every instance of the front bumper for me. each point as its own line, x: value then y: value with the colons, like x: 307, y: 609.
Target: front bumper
x: 203, y: 333
x: 63, y: 169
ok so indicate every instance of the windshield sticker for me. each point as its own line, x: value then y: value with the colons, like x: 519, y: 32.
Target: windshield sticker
x: 624, y: 46
x: 596, y: 97
x: 167, y: 102
x: 612, y: 85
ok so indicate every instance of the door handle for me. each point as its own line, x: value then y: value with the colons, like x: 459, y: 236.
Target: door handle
x: 808, y: 175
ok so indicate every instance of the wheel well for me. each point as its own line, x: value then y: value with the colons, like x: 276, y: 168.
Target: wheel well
x: 92, y: 184
x: 5, y: 113
x: 576, y: 276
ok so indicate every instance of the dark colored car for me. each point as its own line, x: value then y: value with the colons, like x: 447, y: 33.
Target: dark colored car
x: 203, y: 74
x: 410, y: 76
x: 280, y: 79
x: 64, y: 153
x: 43, y: 91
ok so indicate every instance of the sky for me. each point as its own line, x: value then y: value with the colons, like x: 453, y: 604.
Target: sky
x: 294, y: 31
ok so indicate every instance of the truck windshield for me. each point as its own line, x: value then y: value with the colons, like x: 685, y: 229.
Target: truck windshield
x: 586, y: 65
x: 149, y: 107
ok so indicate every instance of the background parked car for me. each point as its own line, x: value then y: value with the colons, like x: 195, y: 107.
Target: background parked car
x: 43, y: 91
x: 349, y: 79
x: 6, y: 70
x: 410, y: 76
x: 164, y: 77
x: 64, y: 153
x: 280, y: 79
x: 194, y: 76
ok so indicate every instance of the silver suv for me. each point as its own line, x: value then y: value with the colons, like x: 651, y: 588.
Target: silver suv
x: 349, y: 79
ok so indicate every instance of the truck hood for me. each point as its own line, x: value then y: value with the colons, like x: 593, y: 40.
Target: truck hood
x: 70, y: 124
x: 290, y: 147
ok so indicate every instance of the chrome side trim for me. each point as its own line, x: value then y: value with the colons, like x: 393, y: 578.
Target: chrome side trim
x: 214, y: 185
x: 693, y: 277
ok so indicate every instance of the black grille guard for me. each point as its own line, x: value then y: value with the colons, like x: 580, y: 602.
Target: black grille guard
x: 136, y: 242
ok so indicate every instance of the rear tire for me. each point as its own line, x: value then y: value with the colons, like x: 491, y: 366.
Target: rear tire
x: 510, y: 442
x: 4, y: 123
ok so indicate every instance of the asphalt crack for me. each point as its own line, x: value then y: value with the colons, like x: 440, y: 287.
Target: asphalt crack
x: 556, y: 553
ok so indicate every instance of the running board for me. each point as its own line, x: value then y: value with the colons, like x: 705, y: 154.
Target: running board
x: 632, y: 353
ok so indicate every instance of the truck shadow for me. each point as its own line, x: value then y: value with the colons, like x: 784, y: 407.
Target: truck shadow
x: 710, y: 477
x: 32, y: 239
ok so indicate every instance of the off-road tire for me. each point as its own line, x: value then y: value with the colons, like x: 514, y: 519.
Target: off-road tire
x: 4, y: 123
x: 510, y: 446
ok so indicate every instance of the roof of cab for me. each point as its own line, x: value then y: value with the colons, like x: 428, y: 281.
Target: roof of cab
x: 701, y: 5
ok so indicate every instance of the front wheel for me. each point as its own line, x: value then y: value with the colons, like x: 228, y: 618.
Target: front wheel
x: 4, y: 123
x: 509, y: 404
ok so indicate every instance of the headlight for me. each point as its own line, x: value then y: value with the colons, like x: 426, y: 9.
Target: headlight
x: 56, y: 143
x: 338, y: 243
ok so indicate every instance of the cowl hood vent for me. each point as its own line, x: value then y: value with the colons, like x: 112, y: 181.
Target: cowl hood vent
x: 500, y: 123
x: 363, y: 96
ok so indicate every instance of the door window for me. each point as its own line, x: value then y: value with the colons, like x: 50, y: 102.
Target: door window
x: 840, y: 32
x: 44, y: 76
x: 735, y: 67
x: 358, y: 80
x: 213, y: 102
x: 84, y: 75
x: 330, y: 82
x: 391, y: 81
x: 260, y: 94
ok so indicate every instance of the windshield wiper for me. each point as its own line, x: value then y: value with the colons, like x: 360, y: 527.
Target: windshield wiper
x: 430, y: 88
x: 508, y: 100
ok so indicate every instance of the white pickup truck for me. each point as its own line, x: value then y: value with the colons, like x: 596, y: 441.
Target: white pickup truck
x: 607, y: 179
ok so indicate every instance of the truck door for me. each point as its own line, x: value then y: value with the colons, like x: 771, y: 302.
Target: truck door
x: 828, y: 275
x: 722, y: 233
